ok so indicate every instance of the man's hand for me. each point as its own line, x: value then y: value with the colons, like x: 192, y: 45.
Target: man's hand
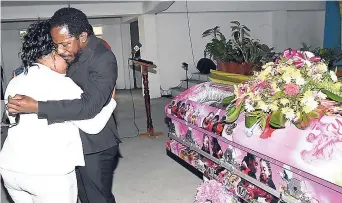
x: 22, y: 104
x: 114, y: 94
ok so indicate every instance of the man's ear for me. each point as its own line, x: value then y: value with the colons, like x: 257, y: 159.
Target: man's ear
x: 83, y: 37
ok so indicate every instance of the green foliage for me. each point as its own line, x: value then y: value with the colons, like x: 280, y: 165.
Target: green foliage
x: 239, y: 49
x: 255, y: 117
x: 228, y: 100
x: 332, y: 96
x: 219, y: 48
x: 330, y: 55
x: 278, y: 119
x: 250, y: 121
x: 234, y: 113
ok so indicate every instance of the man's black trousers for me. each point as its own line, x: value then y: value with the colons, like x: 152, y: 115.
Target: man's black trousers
x: 96, y: 178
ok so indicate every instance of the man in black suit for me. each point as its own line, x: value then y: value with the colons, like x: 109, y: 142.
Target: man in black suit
x: 93, y: 67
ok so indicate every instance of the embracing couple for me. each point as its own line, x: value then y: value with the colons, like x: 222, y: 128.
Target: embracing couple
x: 62, y: 141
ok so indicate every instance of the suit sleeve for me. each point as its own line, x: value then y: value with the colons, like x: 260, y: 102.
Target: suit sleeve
x: 98, y: 91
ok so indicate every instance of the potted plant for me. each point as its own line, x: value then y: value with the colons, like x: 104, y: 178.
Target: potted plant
x: 219, y: 49
x: 240, y: 54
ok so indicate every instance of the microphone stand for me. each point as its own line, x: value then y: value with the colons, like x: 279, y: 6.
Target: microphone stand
x: 185, y: 67
x: 134, y: 76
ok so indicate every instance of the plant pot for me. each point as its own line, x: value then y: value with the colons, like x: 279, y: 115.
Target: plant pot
x: 339, y: 73
x: 237, y: 68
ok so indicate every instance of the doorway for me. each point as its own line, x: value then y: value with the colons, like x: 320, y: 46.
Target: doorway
x: 136, y: 76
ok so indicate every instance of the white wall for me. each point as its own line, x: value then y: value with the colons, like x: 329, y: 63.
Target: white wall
x: 11, y: 44
x: 309, y: 29
x: 278, y: 24
x: 148, y: 38
x: 126, y: 52
x: 112, y: 34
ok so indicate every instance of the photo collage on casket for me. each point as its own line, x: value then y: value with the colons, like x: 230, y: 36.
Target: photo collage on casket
x: 214, y: 147
x: 208, y: 118
x: 277, y: 177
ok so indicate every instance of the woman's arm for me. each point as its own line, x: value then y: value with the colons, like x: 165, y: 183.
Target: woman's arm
x: 96, y: 124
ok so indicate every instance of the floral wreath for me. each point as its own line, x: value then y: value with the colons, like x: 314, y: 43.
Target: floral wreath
x: 296, y: 88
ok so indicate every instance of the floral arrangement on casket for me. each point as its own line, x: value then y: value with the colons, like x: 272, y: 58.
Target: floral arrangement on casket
x: 296, y: 88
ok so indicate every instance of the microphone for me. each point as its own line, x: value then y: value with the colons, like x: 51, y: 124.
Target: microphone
x: 136, y: 49
x: 185, y: 66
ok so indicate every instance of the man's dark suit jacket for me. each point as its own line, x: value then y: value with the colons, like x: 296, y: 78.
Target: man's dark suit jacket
x: 95, y: 72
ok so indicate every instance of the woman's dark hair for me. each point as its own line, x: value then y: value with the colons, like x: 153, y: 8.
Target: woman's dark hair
x: 37, y: 43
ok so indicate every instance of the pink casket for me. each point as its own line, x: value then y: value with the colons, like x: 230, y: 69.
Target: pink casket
x: 301, y: 165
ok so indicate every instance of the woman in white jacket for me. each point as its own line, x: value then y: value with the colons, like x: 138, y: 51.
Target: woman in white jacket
x: 38, y: 161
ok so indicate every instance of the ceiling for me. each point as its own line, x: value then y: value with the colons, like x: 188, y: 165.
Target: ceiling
x: 34, y: 3
x: 31, y: 10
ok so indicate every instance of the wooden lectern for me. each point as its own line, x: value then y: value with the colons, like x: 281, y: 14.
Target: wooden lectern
x: 146, y: 67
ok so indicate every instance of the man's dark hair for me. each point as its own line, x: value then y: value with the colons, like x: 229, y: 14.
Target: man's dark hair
x: 37, y: 42
x: 75, y: 20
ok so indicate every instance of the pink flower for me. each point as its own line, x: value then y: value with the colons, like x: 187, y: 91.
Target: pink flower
x: 262, y: 85
x: 327, y: 103
x: 258, y: 85
x: 288, y: 54
x: 212, y: 191
x: 299, y: 58
x: 292, y: 89
x: 242, y: 90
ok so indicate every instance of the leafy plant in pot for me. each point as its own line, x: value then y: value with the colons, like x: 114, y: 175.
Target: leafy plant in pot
x: 240, y: 54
